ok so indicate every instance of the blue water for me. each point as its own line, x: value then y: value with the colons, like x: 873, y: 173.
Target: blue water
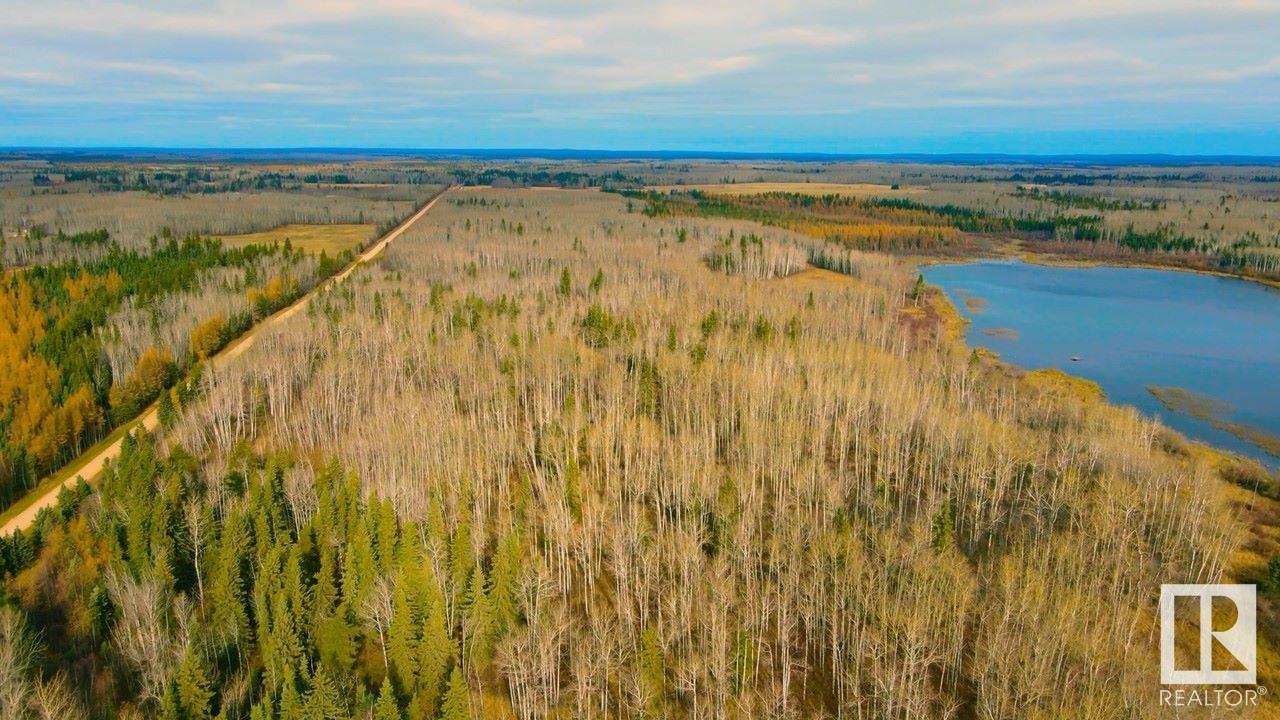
x: 1132, y: 328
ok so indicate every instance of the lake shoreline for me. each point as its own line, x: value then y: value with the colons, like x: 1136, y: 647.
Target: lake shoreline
x: 1012, y: 251
x: 971, y: 322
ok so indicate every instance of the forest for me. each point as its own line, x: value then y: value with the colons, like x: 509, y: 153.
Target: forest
x: 553, y: 456
x: 85, y: 349
x: 96, y: 324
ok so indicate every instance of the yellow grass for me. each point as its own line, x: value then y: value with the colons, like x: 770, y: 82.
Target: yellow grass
x: 757, y: 188
x: 819, y: 276
x: 332, y: 239
x: 1065, y: 385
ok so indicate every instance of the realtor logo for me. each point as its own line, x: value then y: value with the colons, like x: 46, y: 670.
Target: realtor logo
x: 1239, y: 640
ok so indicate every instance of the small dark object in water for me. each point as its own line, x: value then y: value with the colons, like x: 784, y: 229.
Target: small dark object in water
x: 1075, y: 358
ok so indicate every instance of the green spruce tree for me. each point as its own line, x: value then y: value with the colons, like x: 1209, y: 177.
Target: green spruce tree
x: 457, y: 699
x: 503, y: 586
x: 566, y: 284
x: 943, y: 527
x: 436, y: 655
x: 194, y: 693
x: 479, y: 629
x: 387, y: 708
x: 165, y: 410
x: 402, y: 639
x: 324, y: 702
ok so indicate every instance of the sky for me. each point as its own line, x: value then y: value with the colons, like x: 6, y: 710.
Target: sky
x: 861, y: 76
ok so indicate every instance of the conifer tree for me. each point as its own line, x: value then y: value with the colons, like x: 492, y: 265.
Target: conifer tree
x: 100, y: 611
x: 478, y: 623
x: 291, y: 703
x: 435, y: 656
x: 165, y: 411
x: 457, y: 699
x: 503, y: 587
x: 162, y: 567
x: 283, y: 651
x: 262, y: 711
x: 943, y: 527
x: 461, y: 559
x: 324, y: 594
x: 227, y: 592
x: 402, y: 638
x: 170, y: 704
x: 294, y: 585
x: 194, y: 693
x: 1271, y: 581
x: 387, y: 532
x: 359, y: 569
x: 336, y: 641
x: 387, y: 708
x: 324, y: 702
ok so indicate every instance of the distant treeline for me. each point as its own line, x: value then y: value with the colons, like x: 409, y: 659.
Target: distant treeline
x: 901, y: 224
x: 545, y: 178
x: 88, y: 237
x: 202, y: 180
x: 1057, y: 178
x: 863, y: 224
x: 1078, y: 178
x: 173, y: 182
x: 1088, y: 202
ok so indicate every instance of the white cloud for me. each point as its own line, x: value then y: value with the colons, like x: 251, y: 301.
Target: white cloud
x: 464, y: 60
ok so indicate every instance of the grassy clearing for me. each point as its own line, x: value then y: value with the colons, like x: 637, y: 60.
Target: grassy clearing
x: 818, y: 276
x: 332, y: 239
x: 1061, y: 384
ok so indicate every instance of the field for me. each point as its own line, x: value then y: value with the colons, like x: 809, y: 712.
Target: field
x: 331, y: 239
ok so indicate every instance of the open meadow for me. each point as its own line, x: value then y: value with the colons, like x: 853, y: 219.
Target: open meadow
x: 331, y: 239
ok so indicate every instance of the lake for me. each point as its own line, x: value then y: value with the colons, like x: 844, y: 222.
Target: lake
x: 1211, y: 344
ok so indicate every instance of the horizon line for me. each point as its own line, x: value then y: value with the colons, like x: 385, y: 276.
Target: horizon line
x: 13, y: 152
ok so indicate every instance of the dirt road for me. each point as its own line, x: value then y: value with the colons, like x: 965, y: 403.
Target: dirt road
x: 91, y: 467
